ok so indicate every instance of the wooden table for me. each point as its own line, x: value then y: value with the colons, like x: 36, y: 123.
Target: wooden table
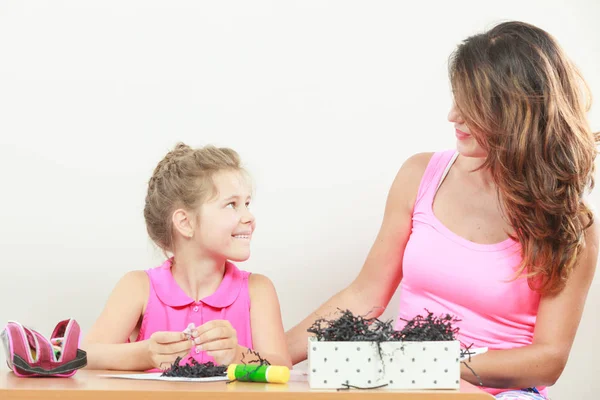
x: 87, y: 384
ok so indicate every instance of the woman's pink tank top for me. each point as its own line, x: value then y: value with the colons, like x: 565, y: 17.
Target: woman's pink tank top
x: 170, y: 309
x: 445, y: 273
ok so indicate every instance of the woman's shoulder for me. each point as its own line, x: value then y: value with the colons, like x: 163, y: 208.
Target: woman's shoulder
x: 408, y: 178
x: 417, y: 162
x: 415, y: 175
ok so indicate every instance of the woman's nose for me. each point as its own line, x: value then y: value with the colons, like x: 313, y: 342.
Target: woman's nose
x: 455, y: 116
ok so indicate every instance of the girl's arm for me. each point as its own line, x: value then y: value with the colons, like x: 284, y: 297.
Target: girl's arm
x: 542, y: 362
x: 106, y: 342
x: 381, y: 273
x: 268, y: 336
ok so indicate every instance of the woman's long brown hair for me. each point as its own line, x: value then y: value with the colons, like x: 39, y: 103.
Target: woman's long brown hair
x: 526, y: 104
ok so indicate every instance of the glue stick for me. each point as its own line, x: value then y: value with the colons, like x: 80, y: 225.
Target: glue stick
x: 255, y: 373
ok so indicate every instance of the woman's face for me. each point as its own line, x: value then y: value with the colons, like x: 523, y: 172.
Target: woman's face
x: 465, y: 142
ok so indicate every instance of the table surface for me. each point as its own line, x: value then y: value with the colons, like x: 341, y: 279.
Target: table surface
x: 88, y: 384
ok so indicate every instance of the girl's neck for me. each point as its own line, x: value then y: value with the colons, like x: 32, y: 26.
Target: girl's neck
x: 198, y: 277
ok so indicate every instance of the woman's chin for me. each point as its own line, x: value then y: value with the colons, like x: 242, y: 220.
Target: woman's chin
x: 470, y: 148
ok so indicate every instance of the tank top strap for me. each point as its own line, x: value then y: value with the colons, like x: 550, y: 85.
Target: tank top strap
x: 435, y: 172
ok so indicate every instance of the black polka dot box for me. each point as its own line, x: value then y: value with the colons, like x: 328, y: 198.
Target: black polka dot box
x: 386, y: 365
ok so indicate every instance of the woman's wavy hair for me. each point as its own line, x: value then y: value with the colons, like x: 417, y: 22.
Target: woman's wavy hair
x: 526, y: 104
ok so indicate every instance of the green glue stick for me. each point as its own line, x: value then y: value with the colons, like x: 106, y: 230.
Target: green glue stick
x: 256, y: 373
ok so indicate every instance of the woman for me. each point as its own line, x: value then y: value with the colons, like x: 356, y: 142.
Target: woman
x: 497, y: 233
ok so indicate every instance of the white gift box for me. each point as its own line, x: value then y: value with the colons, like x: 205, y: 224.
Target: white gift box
x: 401, y: 365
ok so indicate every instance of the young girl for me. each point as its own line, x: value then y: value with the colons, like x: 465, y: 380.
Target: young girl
x: 197, y: 208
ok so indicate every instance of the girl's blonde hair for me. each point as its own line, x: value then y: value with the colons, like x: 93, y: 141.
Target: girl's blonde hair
x: 183, y: 179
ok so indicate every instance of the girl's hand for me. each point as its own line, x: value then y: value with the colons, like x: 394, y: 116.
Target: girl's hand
x: 164, y: 347
x: 219, y: 339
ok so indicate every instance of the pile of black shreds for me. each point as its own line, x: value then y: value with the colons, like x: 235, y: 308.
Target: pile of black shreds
x: 351, y: 328
x: 430, y: 328
x: 194, y: 369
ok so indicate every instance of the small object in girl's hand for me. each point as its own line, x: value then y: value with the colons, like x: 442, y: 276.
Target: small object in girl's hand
x: 188, y: 331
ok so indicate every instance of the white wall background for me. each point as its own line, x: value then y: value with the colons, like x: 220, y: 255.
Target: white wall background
x: 323, y: 99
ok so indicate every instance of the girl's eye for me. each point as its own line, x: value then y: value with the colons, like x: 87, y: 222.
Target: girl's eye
x: 248, y: 204
x: 230, y: 205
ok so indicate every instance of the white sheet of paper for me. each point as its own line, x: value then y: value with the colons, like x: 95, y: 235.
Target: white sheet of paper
x: 155, y: 376
x: 298, y: 375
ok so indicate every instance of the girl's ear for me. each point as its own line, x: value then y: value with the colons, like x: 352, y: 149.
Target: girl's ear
x: 182, y: 222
